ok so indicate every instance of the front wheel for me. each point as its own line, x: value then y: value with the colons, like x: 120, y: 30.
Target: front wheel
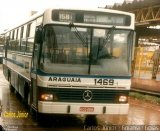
x: 44, y: 119
x: 91, y: 120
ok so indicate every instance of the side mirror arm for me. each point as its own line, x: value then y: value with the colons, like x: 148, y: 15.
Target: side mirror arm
x: 39, y: 34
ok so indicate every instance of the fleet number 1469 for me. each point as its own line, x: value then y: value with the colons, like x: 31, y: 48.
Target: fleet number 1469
x: 104, y: 81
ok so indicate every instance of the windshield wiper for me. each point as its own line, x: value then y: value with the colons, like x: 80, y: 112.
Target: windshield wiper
x: 106, y: 41
x: 110, y: 32
x: 108, y: 37
x: 78, y: 35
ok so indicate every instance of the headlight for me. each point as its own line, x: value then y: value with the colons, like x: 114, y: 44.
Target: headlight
x: 123, y: 99
x: 48, y: 97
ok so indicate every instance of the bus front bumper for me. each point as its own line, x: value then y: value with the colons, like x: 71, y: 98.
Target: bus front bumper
x: 81, y: 108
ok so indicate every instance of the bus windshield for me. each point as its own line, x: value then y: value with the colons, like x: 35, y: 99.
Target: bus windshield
x: 86, y: 50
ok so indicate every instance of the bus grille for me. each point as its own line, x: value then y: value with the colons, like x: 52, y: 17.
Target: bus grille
x: 76, y: 95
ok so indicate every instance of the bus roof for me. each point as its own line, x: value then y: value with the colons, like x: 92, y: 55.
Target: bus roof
x: 94, y: 9
x: 38, y: 14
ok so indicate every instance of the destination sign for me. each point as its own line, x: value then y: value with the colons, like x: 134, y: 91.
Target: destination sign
x: 91, y: 17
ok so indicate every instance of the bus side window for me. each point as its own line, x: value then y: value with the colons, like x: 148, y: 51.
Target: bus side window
x: 18, y: 38
x: 13, y: 34
x: 6, y: 45
x: 30, y: 36
x: 8, y: 41
x: 23, y: 40
x: 12, y: 40
x: 15, y: 41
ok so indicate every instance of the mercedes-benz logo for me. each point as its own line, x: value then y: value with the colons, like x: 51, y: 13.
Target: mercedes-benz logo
x: 87, y: 95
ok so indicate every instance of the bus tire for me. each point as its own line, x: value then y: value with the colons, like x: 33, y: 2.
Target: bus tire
x: 10, y: 85
x: 90, y: 120
x: 44, y: 119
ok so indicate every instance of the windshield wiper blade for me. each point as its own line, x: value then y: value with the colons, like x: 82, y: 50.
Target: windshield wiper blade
x: 108, y: 36
x: 109, y: 33
x: 78, y: 35
x: 106, y: 41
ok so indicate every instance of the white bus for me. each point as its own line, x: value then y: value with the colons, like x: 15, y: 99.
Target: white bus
x: 72, y: 61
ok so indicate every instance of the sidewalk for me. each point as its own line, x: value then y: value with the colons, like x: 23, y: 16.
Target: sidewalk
x: 146, y: 85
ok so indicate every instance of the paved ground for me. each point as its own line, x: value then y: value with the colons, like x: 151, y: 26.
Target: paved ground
x: 146, y: 85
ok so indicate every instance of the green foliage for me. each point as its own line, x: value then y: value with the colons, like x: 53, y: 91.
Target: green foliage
x: 144, y: 97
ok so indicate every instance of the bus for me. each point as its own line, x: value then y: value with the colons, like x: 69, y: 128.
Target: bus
x: 72, y: 61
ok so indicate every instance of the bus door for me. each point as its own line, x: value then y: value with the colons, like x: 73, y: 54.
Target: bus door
x: 34, y: 95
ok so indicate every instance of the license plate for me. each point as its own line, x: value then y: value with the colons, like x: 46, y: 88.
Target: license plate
x: 86, y: 109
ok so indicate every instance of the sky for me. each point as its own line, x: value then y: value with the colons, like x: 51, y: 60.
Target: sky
x: 13, y: 12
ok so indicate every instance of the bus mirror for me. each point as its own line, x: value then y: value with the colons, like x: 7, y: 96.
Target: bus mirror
x: 38, y: 35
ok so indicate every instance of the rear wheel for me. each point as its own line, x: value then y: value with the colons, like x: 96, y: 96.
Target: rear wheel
x: 10, y: 85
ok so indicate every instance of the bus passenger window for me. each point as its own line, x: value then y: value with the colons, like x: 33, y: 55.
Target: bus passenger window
x: 18, y: 38
x: 13, y: 41
x: 13, y: 34
x: 30, y: 42
x: 30, y: 34
x: 23, y: 40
